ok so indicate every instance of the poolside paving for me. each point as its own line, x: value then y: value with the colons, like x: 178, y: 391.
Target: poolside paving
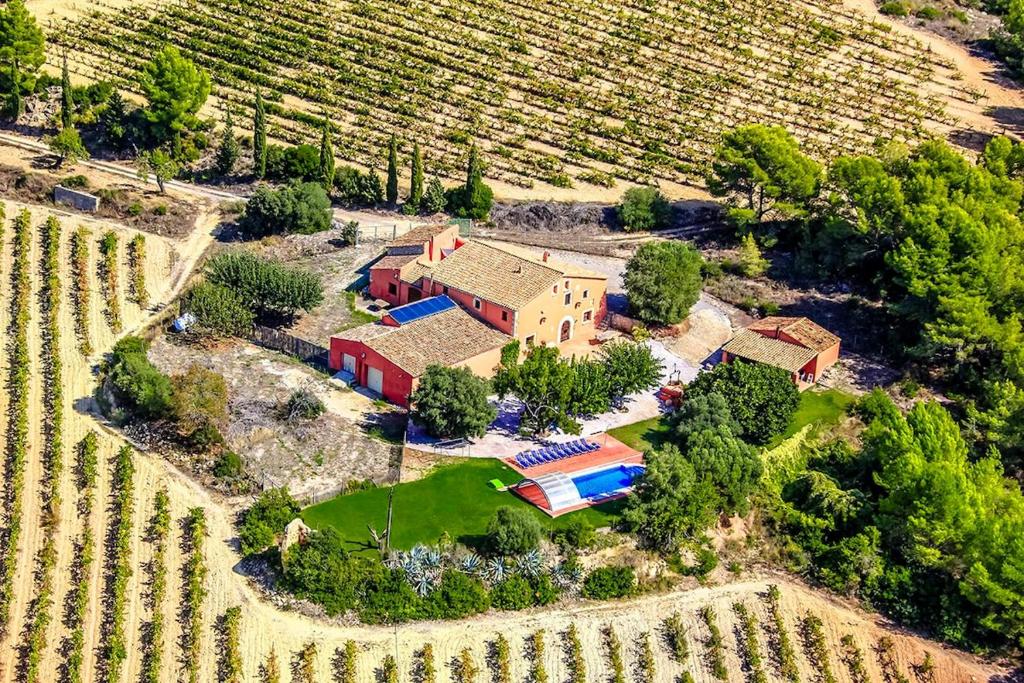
x: 503, y: 439
x: 612, y: 451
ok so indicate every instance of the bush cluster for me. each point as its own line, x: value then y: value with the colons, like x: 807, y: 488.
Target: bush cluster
x: 605, y: 583
x: 265, y: 286
x: 299, y: 208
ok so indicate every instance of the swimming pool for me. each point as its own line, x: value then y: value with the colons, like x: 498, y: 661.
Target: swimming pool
x: 603, y: 482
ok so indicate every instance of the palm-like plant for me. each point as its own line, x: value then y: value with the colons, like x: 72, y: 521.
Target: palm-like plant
x: 530, y: 565
x: 496, y: 570
x: 470, y: 563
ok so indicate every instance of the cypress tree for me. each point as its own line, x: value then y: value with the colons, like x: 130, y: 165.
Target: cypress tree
x: 416, y: 189
x: 259, y: 138
x: 67, y: 100
x: 326, y: 158
x: 392, y: 185
x: 474, y: 171
x: 228, y: 152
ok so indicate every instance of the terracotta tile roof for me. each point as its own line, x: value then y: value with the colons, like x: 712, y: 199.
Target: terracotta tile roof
x: 569, y: 269
x: 804, y: 330
x: 412, y: 273
x: 443, y: 339
x: 508, y: 276
x: 391, y: 262
x: 418, y: 235
x: 756, y: 347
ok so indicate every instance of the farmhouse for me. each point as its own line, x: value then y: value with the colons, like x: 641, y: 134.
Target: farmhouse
x: 798, y: 345
x: 530, y: 297
x: 457, y: 302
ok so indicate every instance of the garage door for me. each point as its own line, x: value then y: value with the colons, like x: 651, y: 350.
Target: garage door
x: 375, y: 380
x: 348, y: 363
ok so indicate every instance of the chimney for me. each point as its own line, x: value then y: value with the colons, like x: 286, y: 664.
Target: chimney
x: 544, y: 258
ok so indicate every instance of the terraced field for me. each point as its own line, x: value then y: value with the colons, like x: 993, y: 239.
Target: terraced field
x: 559, y: 93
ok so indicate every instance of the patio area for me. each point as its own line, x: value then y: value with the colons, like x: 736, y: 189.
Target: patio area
x: 504, y: 441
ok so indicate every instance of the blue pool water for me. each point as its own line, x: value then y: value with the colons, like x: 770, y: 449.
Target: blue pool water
x: 606, y: 481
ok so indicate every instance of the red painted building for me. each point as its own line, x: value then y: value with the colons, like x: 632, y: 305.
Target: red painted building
x: 388, y: 357
x: 798, y: 345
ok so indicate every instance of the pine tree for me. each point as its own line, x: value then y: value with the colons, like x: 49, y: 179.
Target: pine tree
x: 326, y: 158
x: 67, y: 100
x: 259, y: 138
x: 392, y: 185
x: 15, y: 103
x: 416, y: 188
x: 752, y: 264
x: 113, y: 118
x: 434, y: 200
x: 228, y: 152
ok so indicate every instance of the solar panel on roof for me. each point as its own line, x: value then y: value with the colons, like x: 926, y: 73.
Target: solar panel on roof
x: 408, y: 313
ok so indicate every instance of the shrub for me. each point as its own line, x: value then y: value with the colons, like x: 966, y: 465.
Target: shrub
x: 644, y: 208
x: 265, y: 519
x: 577, y: 534
x: 301, y: 162
x: 199, y: 402
x: 266, y: 286
x: 663, y: 281
x: 301, y: 208
x: 609, y: 582
x: 321, y: 570
x: 355, y: 188
x: 894, y: 8
x: 228, y: 466
x: 458, y: 596
x: 512, y: 531
x: 513, y: 593
x: 303, y: 404
x: 451, y: 403
x: 218, y: 311
x: 140, y: 388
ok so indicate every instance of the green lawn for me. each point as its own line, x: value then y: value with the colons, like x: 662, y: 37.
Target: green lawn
x: 816, y: 407
x: 643, y: 436
x: 454, y: 498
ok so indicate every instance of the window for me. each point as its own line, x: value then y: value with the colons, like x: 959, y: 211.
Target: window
x: 504, y: 316
x: 477, y: 304
x: 588, y: 316
x: 568, y: 298
x: 554, y: 290
x: 567, y: 284
x: 392, y: 288
x: 531, y: 340
x: 586, y: 293
x: 444, y: 290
